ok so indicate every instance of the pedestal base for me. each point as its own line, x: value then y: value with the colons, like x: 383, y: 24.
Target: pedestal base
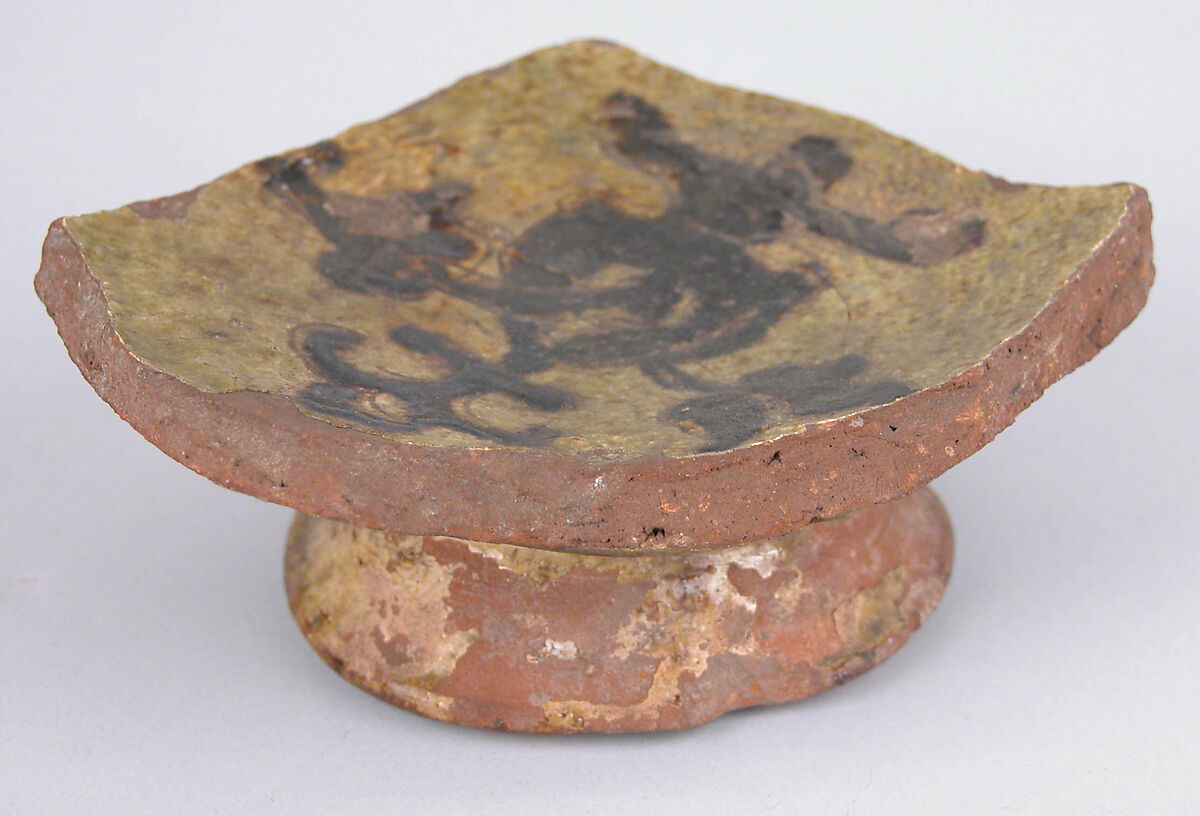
x: 519, y: 639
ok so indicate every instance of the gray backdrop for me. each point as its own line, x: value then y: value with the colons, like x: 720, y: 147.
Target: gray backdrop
x: 148, y: 663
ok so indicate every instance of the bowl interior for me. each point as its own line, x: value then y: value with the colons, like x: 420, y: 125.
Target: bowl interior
x: 584, y: 252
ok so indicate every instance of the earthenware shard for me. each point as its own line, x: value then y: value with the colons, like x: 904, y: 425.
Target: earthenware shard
x: 584, y: 301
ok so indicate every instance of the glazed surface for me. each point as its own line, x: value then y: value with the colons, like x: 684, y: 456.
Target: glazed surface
x: 584, y: 252
x: 586, y: 302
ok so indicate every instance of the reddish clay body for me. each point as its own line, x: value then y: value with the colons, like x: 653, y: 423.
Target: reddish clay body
x: 606, y: 395
x: 505, y: 637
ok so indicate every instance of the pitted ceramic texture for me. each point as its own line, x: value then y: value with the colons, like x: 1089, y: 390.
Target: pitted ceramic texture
x: 585, y: 252
x: 512, y: 638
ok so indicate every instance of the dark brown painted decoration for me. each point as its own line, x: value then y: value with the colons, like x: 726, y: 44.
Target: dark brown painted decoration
x: 606, y: 396
x: 586, y: 302
x: 692, y: 291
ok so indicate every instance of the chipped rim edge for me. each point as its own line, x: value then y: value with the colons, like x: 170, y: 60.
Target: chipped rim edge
x: 263, y: 445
